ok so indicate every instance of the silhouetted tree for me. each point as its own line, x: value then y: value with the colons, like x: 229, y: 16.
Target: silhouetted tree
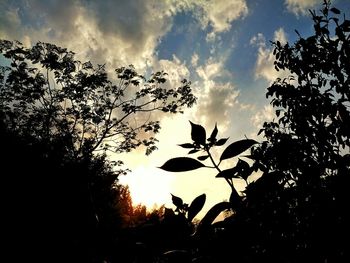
x: 305, y: 159
x: 46, y: 92
x: 59, y: 117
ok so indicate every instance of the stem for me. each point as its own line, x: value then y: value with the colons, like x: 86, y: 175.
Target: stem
x: 218, y: 168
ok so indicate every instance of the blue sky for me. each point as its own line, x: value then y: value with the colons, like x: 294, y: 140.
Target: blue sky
x: 222, y: 46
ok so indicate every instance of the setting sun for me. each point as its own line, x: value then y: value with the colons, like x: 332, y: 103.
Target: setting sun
x: 149, y: 189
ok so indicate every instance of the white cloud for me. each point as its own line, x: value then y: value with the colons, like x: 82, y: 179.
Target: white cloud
x: 101, y: 31
x: 258, y: 40
x: 217, y: 103
x: 210, y: 37
x: 117, y: 32
x: 280, y: 35
x: 175, y: 69
x: 300, y: 7
x: 264, y: 115
x: 194, y: 59
x: 216, y: 98
x: 218, y: 14
x: 213, y: 68
x: 264, y: 67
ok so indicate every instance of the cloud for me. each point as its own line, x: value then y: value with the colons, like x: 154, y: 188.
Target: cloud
x: 264, y: 67
x: 194, y: 59
x: 217, y: 103
x: 216, y: 96
x: 280, y: 35
x: 220, y: 13
x: 116, y: 32
x: 210, y: 70
x: 266, y: 114
x: 258, y: 40
x: 300, y: 7
x: 113, y: 32
x: 175, y: 69
x: 216, y: 14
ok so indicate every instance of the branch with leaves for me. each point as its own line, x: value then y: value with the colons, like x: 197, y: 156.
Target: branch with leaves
x: 200, y: 143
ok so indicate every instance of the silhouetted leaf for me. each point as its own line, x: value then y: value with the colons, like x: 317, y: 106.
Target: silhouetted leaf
x: 186, y: 145
x: 237, y: 148
x: 243, y: 169
x: 212, y: 137
x: 235, y: 200
x: 181, y: 164
x: 335, y: 10
x: 211, y: 215
x: 177, y: 201
x: 202, y: 158
x: 196, y: 206
x: 260, y: 131
x: 221, y: 142
x: 193, y: 151
x: 198, y: 133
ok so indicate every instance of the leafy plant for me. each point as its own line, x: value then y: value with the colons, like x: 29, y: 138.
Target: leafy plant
x: 190, y: 210
x: 201, y: 144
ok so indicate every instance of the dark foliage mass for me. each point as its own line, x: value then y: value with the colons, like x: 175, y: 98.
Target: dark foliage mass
x: 62, y: 202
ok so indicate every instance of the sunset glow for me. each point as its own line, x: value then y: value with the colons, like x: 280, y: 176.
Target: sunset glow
x: 222, y: 47
x: 148, y: 188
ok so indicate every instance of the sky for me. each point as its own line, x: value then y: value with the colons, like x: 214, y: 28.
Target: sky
x: 222, y: 46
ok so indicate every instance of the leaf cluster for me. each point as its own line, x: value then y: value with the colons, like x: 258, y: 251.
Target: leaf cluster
x: 200, y: 143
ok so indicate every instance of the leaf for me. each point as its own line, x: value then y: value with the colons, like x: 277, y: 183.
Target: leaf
x: 212, y: 137
x: 181, y: 164
x: 202, y: 158
x: 177, y: 201
x: 335, y: 10
x: 198, y: 133
x: 221, y: 142
x: 196, y: 206
x: 228, y: 173
x: 243, y: 169
x: 211, y: 215
x: 186, y: 145
x: 235, y: 200
x: 193, y: 151
x: 237, y: 148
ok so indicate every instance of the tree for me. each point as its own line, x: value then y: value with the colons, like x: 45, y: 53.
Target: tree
x: 46, y: 92
x: 59, y: 117
x: 300, y: 199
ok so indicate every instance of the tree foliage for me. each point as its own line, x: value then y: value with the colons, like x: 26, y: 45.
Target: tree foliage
x: 305, y: 157
x: 47, y: 89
